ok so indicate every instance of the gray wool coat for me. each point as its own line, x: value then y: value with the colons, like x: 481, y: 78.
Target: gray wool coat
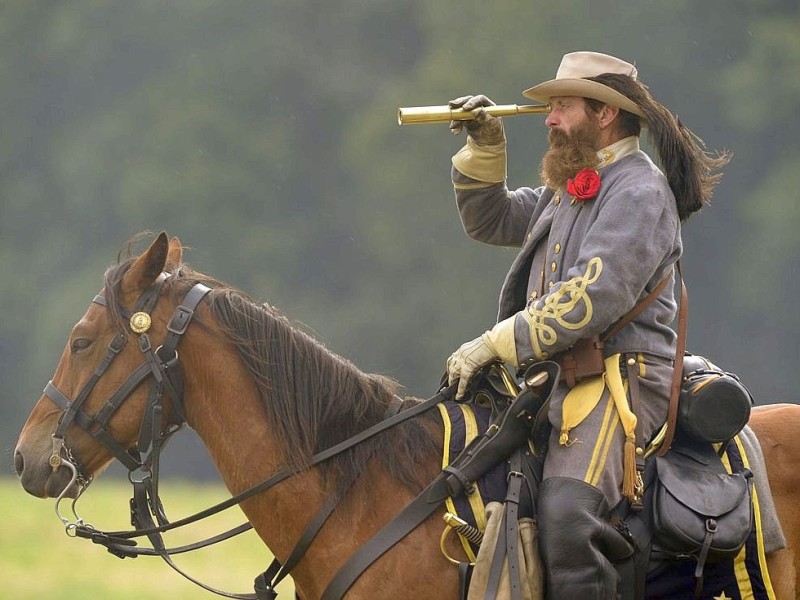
x: 596, y: 259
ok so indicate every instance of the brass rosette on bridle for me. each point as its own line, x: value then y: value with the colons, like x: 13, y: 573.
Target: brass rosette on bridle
x: 140, y: 322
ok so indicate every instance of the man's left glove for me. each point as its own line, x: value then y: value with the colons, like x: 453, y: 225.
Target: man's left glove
x: 494, y: 345
x: 485, y: 129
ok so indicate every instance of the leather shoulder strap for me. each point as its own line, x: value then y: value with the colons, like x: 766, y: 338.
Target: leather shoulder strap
x: 677, y: 373
x: 636, y: 310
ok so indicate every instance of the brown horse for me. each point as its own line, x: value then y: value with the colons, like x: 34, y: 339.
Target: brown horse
x: 262, y: 395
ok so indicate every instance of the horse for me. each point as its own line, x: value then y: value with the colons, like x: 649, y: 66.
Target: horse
x: 265, y: 397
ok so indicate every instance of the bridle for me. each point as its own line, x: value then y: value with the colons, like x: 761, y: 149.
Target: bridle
x: 161, y: 364
x: 142, y: 461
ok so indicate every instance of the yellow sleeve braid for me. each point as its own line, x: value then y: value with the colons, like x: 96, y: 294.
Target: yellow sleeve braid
x: 555, y: 308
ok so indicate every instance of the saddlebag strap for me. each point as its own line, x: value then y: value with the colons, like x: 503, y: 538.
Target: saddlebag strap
x: 464, y: 577
x: 677, y: 373
x: 711, y: 529
x: 515, y: 479
x: 498, y: 558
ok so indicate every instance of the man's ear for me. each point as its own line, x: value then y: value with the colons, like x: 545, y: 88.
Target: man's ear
x: 606, y: 115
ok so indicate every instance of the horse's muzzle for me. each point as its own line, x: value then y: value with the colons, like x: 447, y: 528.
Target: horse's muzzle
x: 39, y: 479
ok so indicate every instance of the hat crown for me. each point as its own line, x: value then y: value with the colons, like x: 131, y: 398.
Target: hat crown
x: 579, y: 65
x: 574, y: 79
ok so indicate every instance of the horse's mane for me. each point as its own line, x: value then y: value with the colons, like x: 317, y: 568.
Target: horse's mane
x: 312, y: 397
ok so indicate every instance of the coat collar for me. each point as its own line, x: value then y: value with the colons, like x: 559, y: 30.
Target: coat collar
x: 617, y: 150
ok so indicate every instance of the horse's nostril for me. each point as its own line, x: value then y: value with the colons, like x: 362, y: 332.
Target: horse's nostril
x: 19, y: 463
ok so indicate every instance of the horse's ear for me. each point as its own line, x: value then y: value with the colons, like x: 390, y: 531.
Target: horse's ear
x: 174, y: 255
x: 147, y: 267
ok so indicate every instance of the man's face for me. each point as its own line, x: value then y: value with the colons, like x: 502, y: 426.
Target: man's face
x: 571, y: 119
x: 574, y: 140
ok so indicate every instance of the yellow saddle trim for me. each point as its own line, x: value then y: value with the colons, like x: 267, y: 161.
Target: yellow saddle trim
x: 474, y: 499
x: 740, y: 567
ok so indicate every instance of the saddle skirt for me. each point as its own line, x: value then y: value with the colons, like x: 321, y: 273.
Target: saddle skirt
x: 462, y: 424
x: 773, y: 534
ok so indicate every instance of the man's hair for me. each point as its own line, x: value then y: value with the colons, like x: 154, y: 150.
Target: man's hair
x: 689, y: 168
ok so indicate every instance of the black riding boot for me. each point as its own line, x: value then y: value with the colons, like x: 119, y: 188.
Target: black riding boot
x: 577, y: 543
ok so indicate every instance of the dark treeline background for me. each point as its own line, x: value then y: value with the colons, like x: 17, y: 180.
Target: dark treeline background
x: 263, y: 134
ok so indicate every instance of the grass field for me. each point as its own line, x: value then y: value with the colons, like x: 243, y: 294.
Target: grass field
x: 38, y: 560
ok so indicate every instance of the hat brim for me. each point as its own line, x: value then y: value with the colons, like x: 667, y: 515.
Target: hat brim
x: 584, y: 88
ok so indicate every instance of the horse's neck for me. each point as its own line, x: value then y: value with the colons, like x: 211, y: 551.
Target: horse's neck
x: 224, y: 408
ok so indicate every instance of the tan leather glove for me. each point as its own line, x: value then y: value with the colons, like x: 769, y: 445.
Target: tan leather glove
x: 466, y: 361
x: 497, y: 344
x: 485, y: 129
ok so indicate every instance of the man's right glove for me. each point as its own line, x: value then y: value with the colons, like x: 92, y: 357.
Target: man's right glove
x: 485, y: 129
x: 468, y: 360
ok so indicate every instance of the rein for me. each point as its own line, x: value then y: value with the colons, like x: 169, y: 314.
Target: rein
x: 147, y: 512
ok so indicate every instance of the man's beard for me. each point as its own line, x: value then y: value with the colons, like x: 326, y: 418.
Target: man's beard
x: 568, y: 154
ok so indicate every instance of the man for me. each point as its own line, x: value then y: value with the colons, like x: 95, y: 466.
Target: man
x: 601, y: 233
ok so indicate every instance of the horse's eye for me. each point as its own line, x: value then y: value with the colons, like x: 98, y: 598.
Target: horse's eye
x: 80, y: 344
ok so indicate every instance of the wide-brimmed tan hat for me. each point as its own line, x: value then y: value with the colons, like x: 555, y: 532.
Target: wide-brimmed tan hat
x: 571, y: 80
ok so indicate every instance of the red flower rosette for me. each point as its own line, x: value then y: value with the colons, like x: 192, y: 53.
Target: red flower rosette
x: 585, y: 185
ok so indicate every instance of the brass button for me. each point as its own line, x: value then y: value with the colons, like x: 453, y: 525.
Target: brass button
x: 551, y: 284
x: 553, y: 266
x: 530, y: 234
x: 640, y: 451
x: 631, y: 361
x: 534, y: 294
x: 557, y: 248
x: 557, y: 200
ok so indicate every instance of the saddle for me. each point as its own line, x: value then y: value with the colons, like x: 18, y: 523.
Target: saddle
x: 507, y: 564
x: 696, y: 516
